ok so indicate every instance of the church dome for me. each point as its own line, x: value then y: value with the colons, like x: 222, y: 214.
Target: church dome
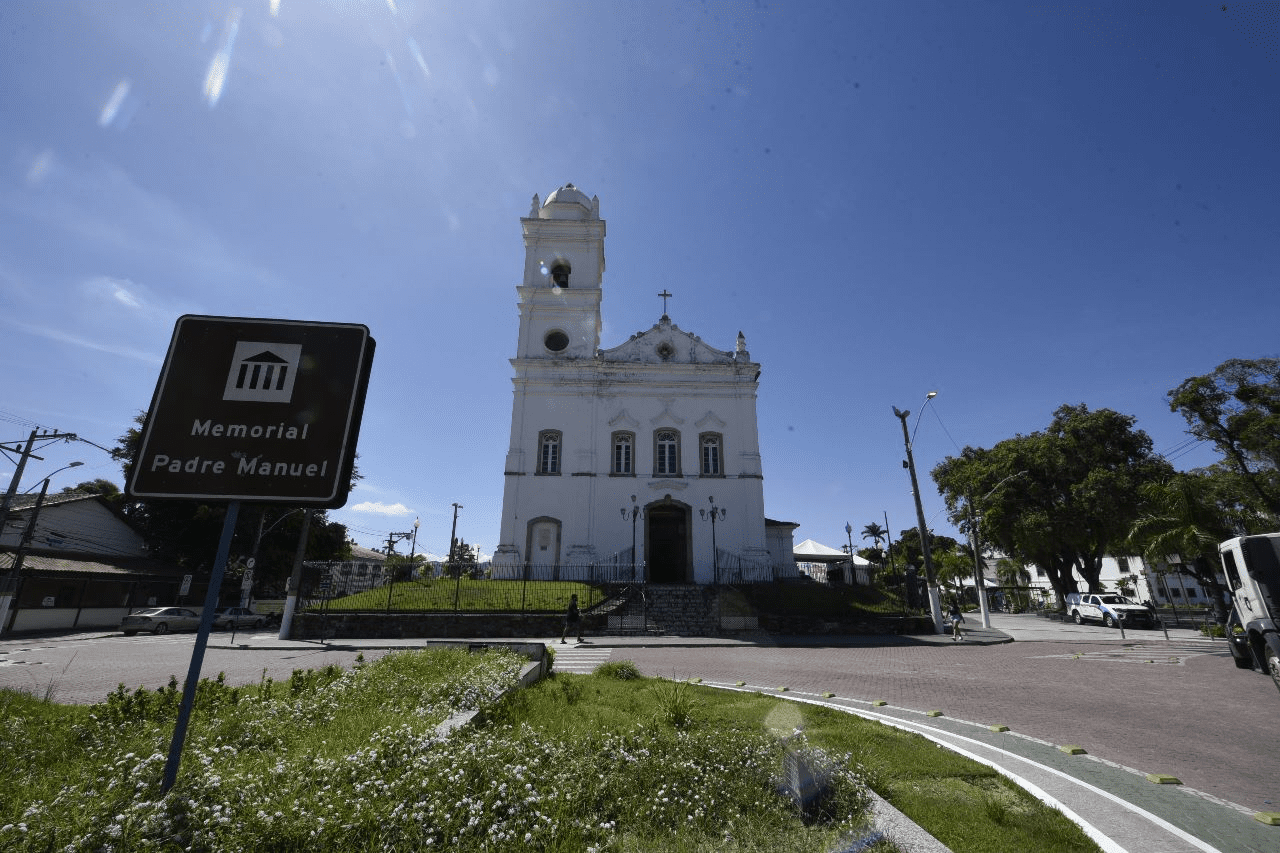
x: 568, y: 202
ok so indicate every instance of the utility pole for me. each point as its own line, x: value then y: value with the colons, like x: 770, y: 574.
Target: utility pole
x: 979, y: 581
x: 9, y: 582
x: 24, y: 454
x: 9, y: 585
x: 930, y: 576
x: 295, y: 578
x: 453, y: 534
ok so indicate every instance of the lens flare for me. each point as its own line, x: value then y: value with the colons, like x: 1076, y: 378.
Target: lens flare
x: 217, y: 76
x: 112, y: 107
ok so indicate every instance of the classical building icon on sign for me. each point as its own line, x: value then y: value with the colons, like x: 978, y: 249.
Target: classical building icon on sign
x: 263, y: 372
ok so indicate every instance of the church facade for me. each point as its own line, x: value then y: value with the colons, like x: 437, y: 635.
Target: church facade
x: 640, y: 462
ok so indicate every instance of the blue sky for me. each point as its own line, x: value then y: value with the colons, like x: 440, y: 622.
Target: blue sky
x: 1017, y: 205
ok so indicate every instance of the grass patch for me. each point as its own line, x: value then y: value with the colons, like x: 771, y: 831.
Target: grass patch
x: 332, y: 760
x: 468, y: 595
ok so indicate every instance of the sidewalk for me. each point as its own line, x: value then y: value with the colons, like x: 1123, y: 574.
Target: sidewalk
x: 974, y: 634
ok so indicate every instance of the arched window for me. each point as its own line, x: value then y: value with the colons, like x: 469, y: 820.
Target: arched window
x: 710, y: 454
x: 623, y: 454
x: 549, y: 452
x: 666, y: 453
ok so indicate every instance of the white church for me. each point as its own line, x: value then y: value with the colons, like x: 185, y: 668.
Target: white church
x: 640, y: 462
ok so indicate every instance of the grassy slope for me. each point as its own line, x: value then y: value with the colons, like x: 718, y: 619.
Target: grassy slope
x: 329, y: 762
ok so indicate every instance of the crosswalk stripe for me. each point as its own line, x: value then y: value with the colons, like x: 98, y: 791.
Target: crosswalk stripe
x: 581, y: 659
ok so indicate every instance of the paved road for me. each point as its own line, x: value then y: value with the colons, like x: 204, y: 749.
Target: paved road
x: 83, y: 668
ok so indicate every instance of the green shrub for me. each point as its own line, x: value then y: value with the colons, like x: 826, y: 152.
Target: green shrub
x: 619, y: 670
x: 676, y: 705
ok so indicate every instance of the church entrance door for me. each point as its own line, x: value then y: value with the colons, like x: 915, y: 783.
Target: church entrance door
x: 667, y: 543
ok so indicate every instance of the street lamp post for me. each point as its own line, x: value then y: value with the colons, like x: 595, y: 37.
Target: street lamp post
x: 975, y: 542
x: 931, y: 577
x: 714, y: 513
x: 853, y: 569
x: 633, y: 513
x: 413, y: 548
x: 252, y: 563
x: 49, y: 476
x: 294, y: 589
x: 453, y: 533
x: 978, y: 580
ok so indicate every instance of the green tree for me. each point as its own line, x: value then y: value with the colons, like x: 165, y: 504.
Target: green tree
x: 953, y: 566
x: 464, y: 560
x: 1237, y: 407
x: 106, y: 488
x: 1067, y: 496
x: 906, y: 550
x: 1185, y: 516
x: 875, y: 533
x: 1012, y: 574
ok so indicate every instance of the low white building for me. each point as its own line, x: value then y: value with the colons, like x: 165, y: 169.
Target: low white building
x: 637, y: 462
x: 1164, y: 583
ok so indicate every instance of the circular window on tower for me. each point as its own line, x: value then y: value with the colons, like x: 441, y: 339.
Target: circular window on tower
x: 556, y: 340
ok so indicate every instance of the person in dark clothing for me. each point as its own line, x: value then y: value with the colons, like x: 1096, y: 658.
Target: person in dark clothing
x: 956, y: 618
x: 572, y: 620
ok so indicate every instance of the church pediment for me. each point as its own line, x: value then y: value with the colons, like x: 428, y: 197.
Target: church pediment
x: 666, y: 343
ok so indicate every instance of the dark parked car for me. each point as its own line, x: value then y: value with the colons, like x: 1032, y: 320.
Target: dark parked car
x: 160, y: 620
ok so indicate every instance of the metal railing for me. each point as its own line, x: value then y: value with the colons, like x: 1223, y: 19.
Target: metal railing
x: 532, y: 589
x: 731, y: 568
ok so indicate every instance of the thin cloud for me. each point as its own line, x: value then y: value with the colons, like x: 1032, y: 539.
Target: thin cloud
x: 378, y: 508
x: 84, y: 343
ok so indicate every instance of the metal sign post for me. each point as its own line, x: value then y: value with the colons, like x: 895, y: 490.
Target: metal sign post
x: 250, y: 410
x: 197, y: 653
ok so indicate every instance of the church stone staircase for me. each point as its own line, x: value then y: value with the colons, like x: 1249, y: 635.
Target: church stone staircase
x: 679, y: 609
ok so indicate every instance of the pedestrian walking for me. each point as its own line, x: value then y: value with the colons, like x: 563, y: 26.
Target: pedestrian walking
x: 572, y: 620
x: 956, y: 618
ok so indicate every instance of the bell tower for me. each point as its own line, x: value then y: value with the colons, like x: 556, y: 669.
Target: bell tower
x: 563, y: 270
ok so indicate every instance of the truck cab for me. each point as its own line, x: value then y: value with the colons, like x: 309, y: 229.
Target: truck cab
x: 1252, y: 568
x: 1109, y: 609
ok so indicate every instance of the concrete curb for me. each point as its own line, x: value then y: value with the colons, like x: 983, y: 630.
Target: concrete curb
x: 902, y: 830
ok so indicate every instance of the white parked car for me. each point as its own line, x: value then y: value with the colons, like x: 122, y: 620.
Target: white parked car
x: 1109, y: 609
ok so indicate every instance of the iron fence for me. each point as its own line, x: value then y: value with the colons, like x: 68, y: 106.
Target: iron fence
x: 532, y: 589
x: 733, y: 569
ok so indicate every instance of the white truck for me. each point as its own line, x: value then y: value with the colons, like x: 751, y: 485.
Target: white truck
x: 1252, y: 568
x: 1109, y: 609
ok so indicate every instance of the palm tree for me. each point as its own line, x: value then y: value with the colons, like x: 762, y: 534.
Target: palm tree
x: 875, y: 533
x: 1014, y: 575
x: 1187, y: 515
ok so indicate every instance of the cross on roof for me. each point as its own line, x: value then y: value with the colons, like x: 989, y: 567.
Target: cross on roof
x: 665, y: 296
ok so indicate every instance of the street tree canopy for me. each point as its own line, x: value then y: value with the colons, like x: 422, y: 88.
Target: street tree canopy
x: 1061, y: 498
x: 1237, y: 407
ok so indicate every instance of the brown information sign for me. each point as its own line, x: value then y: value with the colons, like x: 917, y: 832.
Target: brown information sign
x: 255, y: 410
